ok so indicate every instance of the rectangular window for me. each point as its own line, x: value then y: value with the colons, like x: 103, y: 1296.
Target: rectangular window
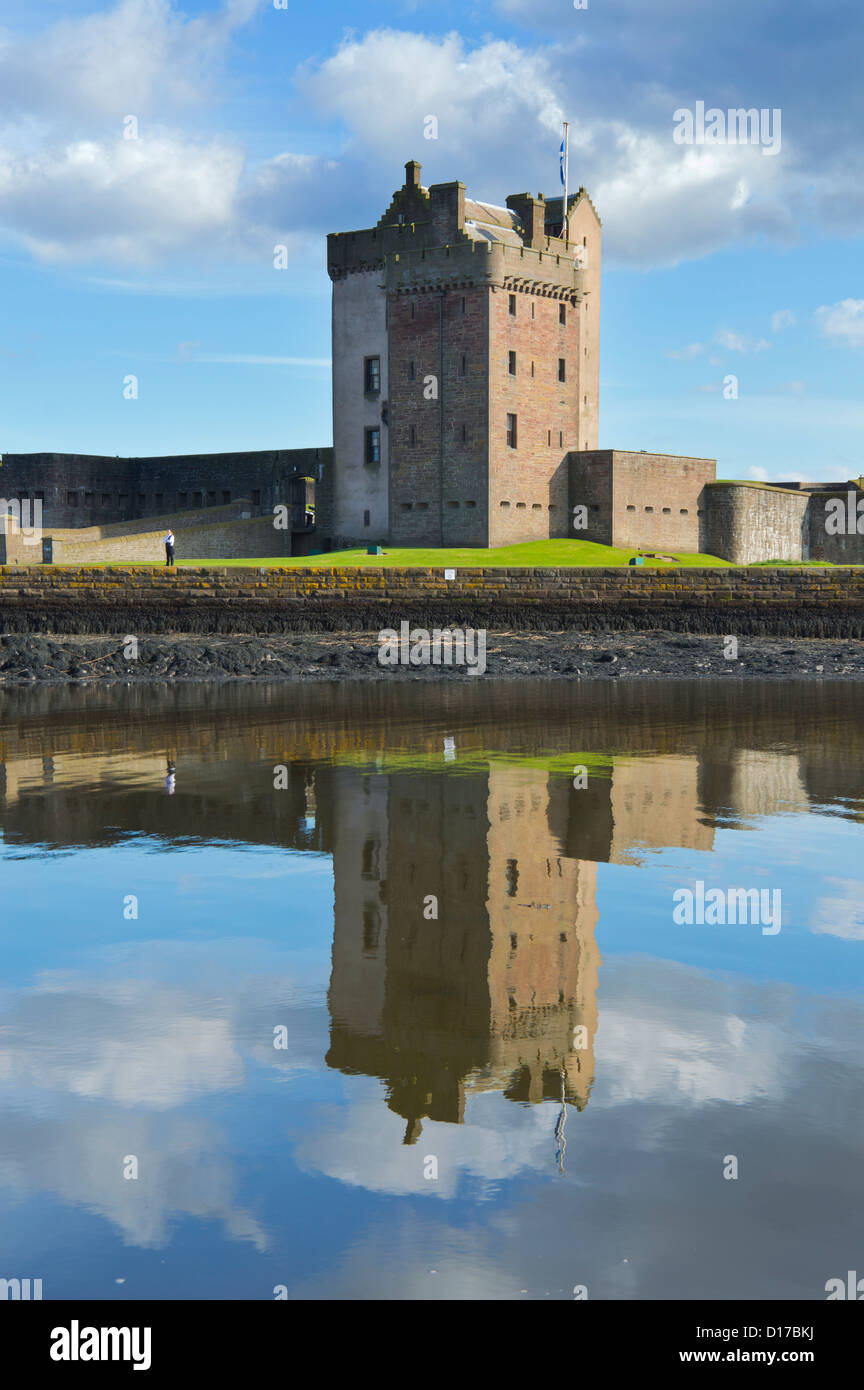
x: 160, y: 497
x: 71, y: 499
x: 88, y: 498
x: 142, y: 500
x: 511, y: 431
x: 106, y: 499
x: 512, y: 364
x: 256, y: 497
x: 412, y: 372
x: 549, y: 438
x: 562, y: 369
x: 413, y: 309
x: 211, y: 499
x: 373, y: 445
x: 560, y: 440
x: 464, y: 434
x: 372, y: 376
x: 181, y: 499
x: 532, y: 309
x: 366, y: 518
x: 464, y: 367
x: 512, y: 306
x: 463, y: 304
x: 123, y: 500
x: 198, y: 498
x: 562, y: 313
x: 226, y: 498
x: 532, y: 369
x: 413, y: 434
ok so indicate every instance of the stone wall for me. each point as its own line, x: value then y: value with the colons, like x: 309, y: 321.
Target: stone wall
x: 528, y: 484
x: 807, y: 602
x: 748, y: 522
x: 846, y: 548
x: 653, y: 502
x: 87, y: 490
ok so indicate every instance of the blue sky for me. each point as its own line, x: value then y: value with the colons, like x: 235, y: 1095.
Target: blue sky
x: 259, y: 126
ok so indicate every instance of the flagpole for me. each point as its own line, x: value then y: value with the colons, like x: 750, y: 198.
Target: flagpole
x: 565, y: 229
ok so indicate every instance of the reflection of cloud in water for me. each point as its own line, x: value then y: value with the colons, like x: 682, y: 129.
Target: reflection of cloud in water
x: 843, y: 914
x: 77, y: 1155
x: 78, y: 1058
x: 361, y: 1144
x: 134, y: 1043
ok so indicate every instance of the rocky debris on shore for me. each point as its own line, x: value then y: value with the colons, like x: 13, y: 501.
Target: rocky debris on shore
x: 28, y: 659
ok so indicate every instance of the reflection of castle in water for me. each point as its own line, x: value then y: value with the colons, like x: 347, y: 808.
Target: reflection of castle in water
x: 498, y: 990
x: 491, y: 994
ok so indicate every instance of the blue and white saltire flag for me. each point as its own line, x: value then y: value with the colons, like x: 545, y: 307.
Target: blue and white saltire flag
x: 563, y: 163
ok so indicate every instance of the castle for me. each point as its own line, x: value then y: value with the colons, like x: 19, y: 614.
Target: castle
x: 465, y: 413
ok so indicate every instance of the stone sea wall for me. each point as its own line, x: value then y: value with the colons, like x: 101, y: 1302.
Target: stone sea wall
x: 809, y: 602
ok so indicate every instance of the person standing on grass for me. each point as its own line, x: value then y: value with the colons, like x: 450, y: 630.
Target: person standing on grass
x: 169, y: 548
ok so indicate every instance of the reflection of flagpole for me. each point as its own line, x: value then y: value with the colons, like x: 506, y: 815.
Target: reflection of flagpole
x: 565, y: 174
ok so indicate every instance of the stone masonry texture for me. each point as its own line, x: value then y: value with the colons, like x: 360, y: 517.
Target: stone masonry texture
x: 810, y: 602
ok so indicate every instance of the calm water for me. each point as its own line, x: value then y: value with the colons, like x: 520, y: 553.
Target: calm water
x: 328, y: 1087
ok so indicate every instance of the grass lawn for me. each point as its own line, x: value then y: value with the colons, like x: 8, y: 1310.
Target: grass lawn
x: 543, y: 554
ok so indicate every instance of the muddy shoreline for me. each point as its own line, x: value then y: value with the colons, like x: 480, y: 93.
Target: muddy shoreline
x: 31, y: 659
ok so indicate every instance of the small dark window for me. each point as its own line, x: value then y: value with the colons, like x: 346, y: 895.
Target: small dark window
x: 40, y: 496
x: 631, y: 509
x: 88, y: 498
x: 123, y: 500
x: 649, y: 509
x: 667, y: 511
x: 71, y: 499
x: 562, y: 313
x: 256, y: 497
x: 373, y: 445
x: 512, y: 363
x: 198, y: 498
x: 532, y: 369
x: 371, y: 929
x: 511, y: 431
x: 106, y: 499
x: 412, y: 434
x: 463, y: 304
x: 470, y: 504
x: 366, y: 518
x: 549, y: 438
x: 211, y: 499
x: 160, y: 497
x: 562, y: 369
x: 464, y: 367
x: 532, y: 308
x: 413, y: 309
x: 464, y: 434
x: 684, y: 511
x: 372, y: 376
x: 370, y: 861
x: 512, y: 306
x: 181, y: 499
x: 412, y: 371
x: 226, y: 497
x: 560, y: 439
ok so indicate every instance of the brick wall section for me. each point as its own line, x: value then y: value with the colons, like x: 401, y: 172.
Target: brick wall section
x: 416, y: 480
x: 529, y: 484
x: 809, y: 602
x: 654, y: 502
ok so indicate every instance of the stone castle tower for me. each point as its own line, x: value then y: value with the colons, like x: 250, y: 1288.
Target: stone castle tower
x: 465, y: 359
